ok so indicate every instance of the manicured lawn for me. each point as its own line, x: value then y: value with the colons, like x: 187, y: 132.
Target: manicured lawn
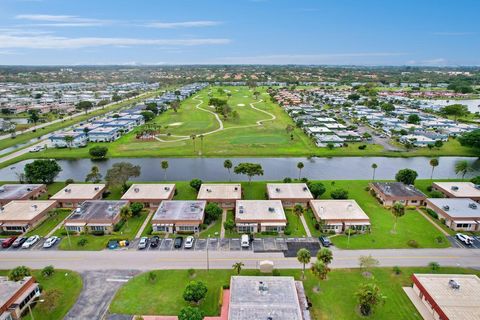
x: 310, y: 219
x: 213, y: 229
x: 67, y: 282
x: 335, y: 300
x: 51, y: 222
x: 127, y: 232
x: 294, y: 224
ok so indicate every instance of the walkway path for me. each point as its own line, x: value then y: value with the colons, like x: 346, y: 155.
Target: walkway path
x: 145, y: 224
x: 426, y: 216
x: 224, y: 218
x: 305, y: 226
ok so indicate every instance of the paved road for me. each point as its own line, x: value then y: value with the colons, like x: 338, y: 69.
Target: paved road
x: 147, y: 260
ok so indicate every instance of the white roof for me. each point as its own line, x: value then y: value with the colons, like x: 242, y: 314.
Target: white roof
x: 84, y: 191
x: 220, y: 191
x: 459, y: 189
x: 338, y: 210
x: 257, y: 210
x: 294, y: 191
x: 153, y: 191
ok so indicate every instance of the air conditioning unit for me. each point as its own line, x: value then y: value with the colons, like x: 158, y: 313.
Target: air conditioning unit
x: 446, y: 208
x: 136, y: 190
x: 454, y: 188
x: 472, y: 205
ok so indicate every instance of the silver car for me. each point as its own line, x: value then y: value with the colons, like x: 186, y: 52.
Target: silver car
x: 143, y: 243
x: 30, y: 242
x: 50, y: 242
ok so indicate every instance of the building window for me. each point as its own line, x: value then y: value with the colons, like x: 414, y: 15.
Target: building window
x: 161, y: 228
x: 463, y: 225
x: 187, y: 228
x: 74, y: 228
x: 14, y: 228
x: 246, y: 229
x: 97, y: 228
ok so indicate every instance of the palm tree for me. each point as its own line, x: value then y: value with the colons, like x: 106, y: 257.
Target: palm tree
x: 298, y: 211
x: 369, y: 296
x: 374, y: 167
x: 69, y: 141
x: 227, y: 164
x: 303, y: 256
x: 125, y: 214
x: 398, y: 210
x: 201, y: 142
x: 325, y: 255
x: 164, y: 165
x: 300, y: 167
x: 237, y: 267
x: 193, y: 139
x: 462, y: 166
x: 320, y: 269
x: 433, y: 163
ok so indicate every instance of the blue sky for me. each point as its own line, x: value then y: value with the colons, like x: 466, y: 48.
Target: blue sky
x: 360, y: 32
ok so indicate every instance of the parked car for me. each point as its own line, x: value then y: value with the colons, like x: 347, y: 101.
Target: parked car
x: 37, y: 149
x: 325, y: 241
x: 123, y: 243
x: 189, y: 242
x: 154, y: 241
x: 245, y: 241
x: 112, y: 244
x: 30, y: 242
x: 18, y: 243
x: 50, y: 242
x: 464, y: 238
x: 177, y: 243
x: 8, y: 242
x: 143, y: 243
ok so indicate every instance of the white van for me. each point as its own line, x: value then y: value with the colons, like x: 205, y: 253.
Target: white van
x: 245, y: 241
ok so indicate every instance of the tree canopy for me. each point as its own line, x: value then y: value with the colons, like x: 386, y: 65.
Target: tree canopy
x: 43, y: 170
x: 407, y: 176
x: 470, y: 139
x: 249, y: 169
x: 120, y: 173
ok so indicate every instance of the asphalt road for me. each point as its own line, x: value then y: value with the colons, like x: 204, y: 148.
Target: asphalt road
x: 148, y: 260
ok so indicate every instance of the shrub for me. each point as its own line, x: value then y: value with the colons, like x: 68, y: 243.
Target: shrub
x: 48, y: 271
x: 339, y: 194
x: 367, y: 188
x: 397, y: 270
x: 434, y: 265
x: 98, y: 152
x: 436, y: 194
x: 190, y: 313
x: 195, y: 291
x: 136, y: 208
x: 212, y: 212
x: 118, y: 225
x: 82, y: 242
x: 98, y: 232
x: 152, y: 277
x: 191, y: 272
x: 304, y: 180
x: 412, y: 243
x: 287, y: 231
x: 432, y: 213
x: 196, y: 184
x: 18, y: 273
x: 351, y: 231
x: 439, y: 239
x: 69, y: 181
x: 275, y: 273
x: 287, y: 180
x: 442, y: 220
x: 226, y: 286
x: 362, y: 147
x: 429, y: 188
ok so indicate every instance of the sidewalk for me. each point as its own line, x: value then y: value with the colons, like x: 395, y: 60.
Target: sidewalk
x: 224, y: 218
x: 145, y: 224
x: 305, y: 226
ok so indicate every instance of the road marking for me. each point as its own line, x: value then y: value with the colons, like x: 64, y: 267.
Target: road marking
x: 117, y: 280
x: 39, y: 259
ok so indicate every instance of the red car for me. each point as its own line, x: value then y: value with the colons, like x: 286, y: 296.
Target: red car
x: 8, y: 242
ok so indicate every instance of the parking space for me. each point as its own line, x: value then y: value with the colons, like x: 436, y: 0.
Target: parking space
x: 459, y: 244
x: 200, y: 244
x: 166, y: 244
x: 224, y: 244
x: 235, y: 245
x: 212, y: 243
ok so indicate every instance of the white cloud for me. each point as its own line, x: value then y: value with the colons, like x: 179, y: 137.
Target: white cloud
x: 326, y: 58
x: 183, y: 24
x: 48, y: 20
x: 54, y: 42
x: 435, y: 62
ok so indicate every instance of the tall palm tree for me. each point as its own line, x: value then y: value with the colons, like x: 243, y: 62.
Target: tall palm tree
x: 300, y: 167
x: 193, y: 139
x: 374, y: 167
x: 462, y: 166
x: 298, y: 211
x: 201, y: 142
x: 164, y: 165
x: 227, y: 164
x: 434, y: 163
x: 398, y: 210
x: 303, y: 256
x: 320, y: 269
x: 325, y: 255
x: 237, y: 267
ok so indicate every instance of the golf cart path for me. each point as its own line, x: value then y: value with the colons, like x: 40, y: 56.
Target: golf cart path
x: 221, y: 126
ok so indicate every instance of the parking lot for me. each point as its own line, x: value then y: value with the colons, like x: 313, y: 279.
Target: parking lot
x: 459, y: 244
x: 37, y: 246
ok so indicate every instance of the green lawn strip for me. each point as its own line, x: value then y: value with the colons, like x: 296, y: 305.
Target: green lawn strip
x: 311, y: 220
x: 213, y: 229
x: 335, y: 300
x: 67, y: 282
x: 234, y: 233
x: 48, y: 224
x: 294, y: 224
x: 127, y: 232
x: 441, y: 225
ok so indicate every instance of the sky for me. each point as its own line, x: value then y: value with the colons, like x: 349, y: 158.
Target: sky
x: 160, y: 32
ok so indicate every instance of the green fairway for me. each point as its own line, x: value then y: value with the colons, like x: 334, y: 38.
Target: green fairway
x: 335, y: 300
x: 68, y: 283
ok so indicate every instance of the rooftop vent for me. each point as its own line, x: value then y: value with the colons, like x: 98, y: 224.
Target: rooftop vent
x: 262, y: 287
x: 167, y: 188
x: 97, y: 188
x: 68, y: 190
x: 454, y: 284
x: 446, y: 208
x: 305, y: 189
x: 110, y: 208
x: 236, y: 188
x: 277, y: 189
x: 209, y: 190
x: 454, y: 188
x: 2, y: 189
x: 477, y: 186
x: 34, y: 207
x: 136, y: 190
x: 472, y: 205
x: 29, y: 189
x: 271, y: 209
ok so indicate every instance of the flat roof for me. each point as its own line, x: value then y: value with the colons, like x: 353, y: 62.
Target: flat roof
x: 288, y: 191
x: 259, y: 210
x: 220, y: 191
x: 180, y: 210
x: 338, y: 210
x: 458, y: 304
x: 460, y: 189
x: 9, y: 288
x: 398, y: 189
x: 97, y: 210
x: 152, y: 191
x: 24, y: 210
x: 85, y: 191
x: 17, y: 191
x: 257, y: 298
x: 457, y: 207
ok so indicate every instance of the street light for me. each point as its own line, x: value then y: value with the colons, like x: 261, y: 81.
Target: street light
x: 30, y: 308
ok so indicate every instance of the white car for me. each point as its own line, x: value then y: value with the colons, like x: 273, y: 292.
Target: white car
x: 464, y: 238
x: 37, y: 149
x: 50, y: 242
x: 143, y: 243
x: 245, y: 241
x: 30, y: 241
x: 189, y: 242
